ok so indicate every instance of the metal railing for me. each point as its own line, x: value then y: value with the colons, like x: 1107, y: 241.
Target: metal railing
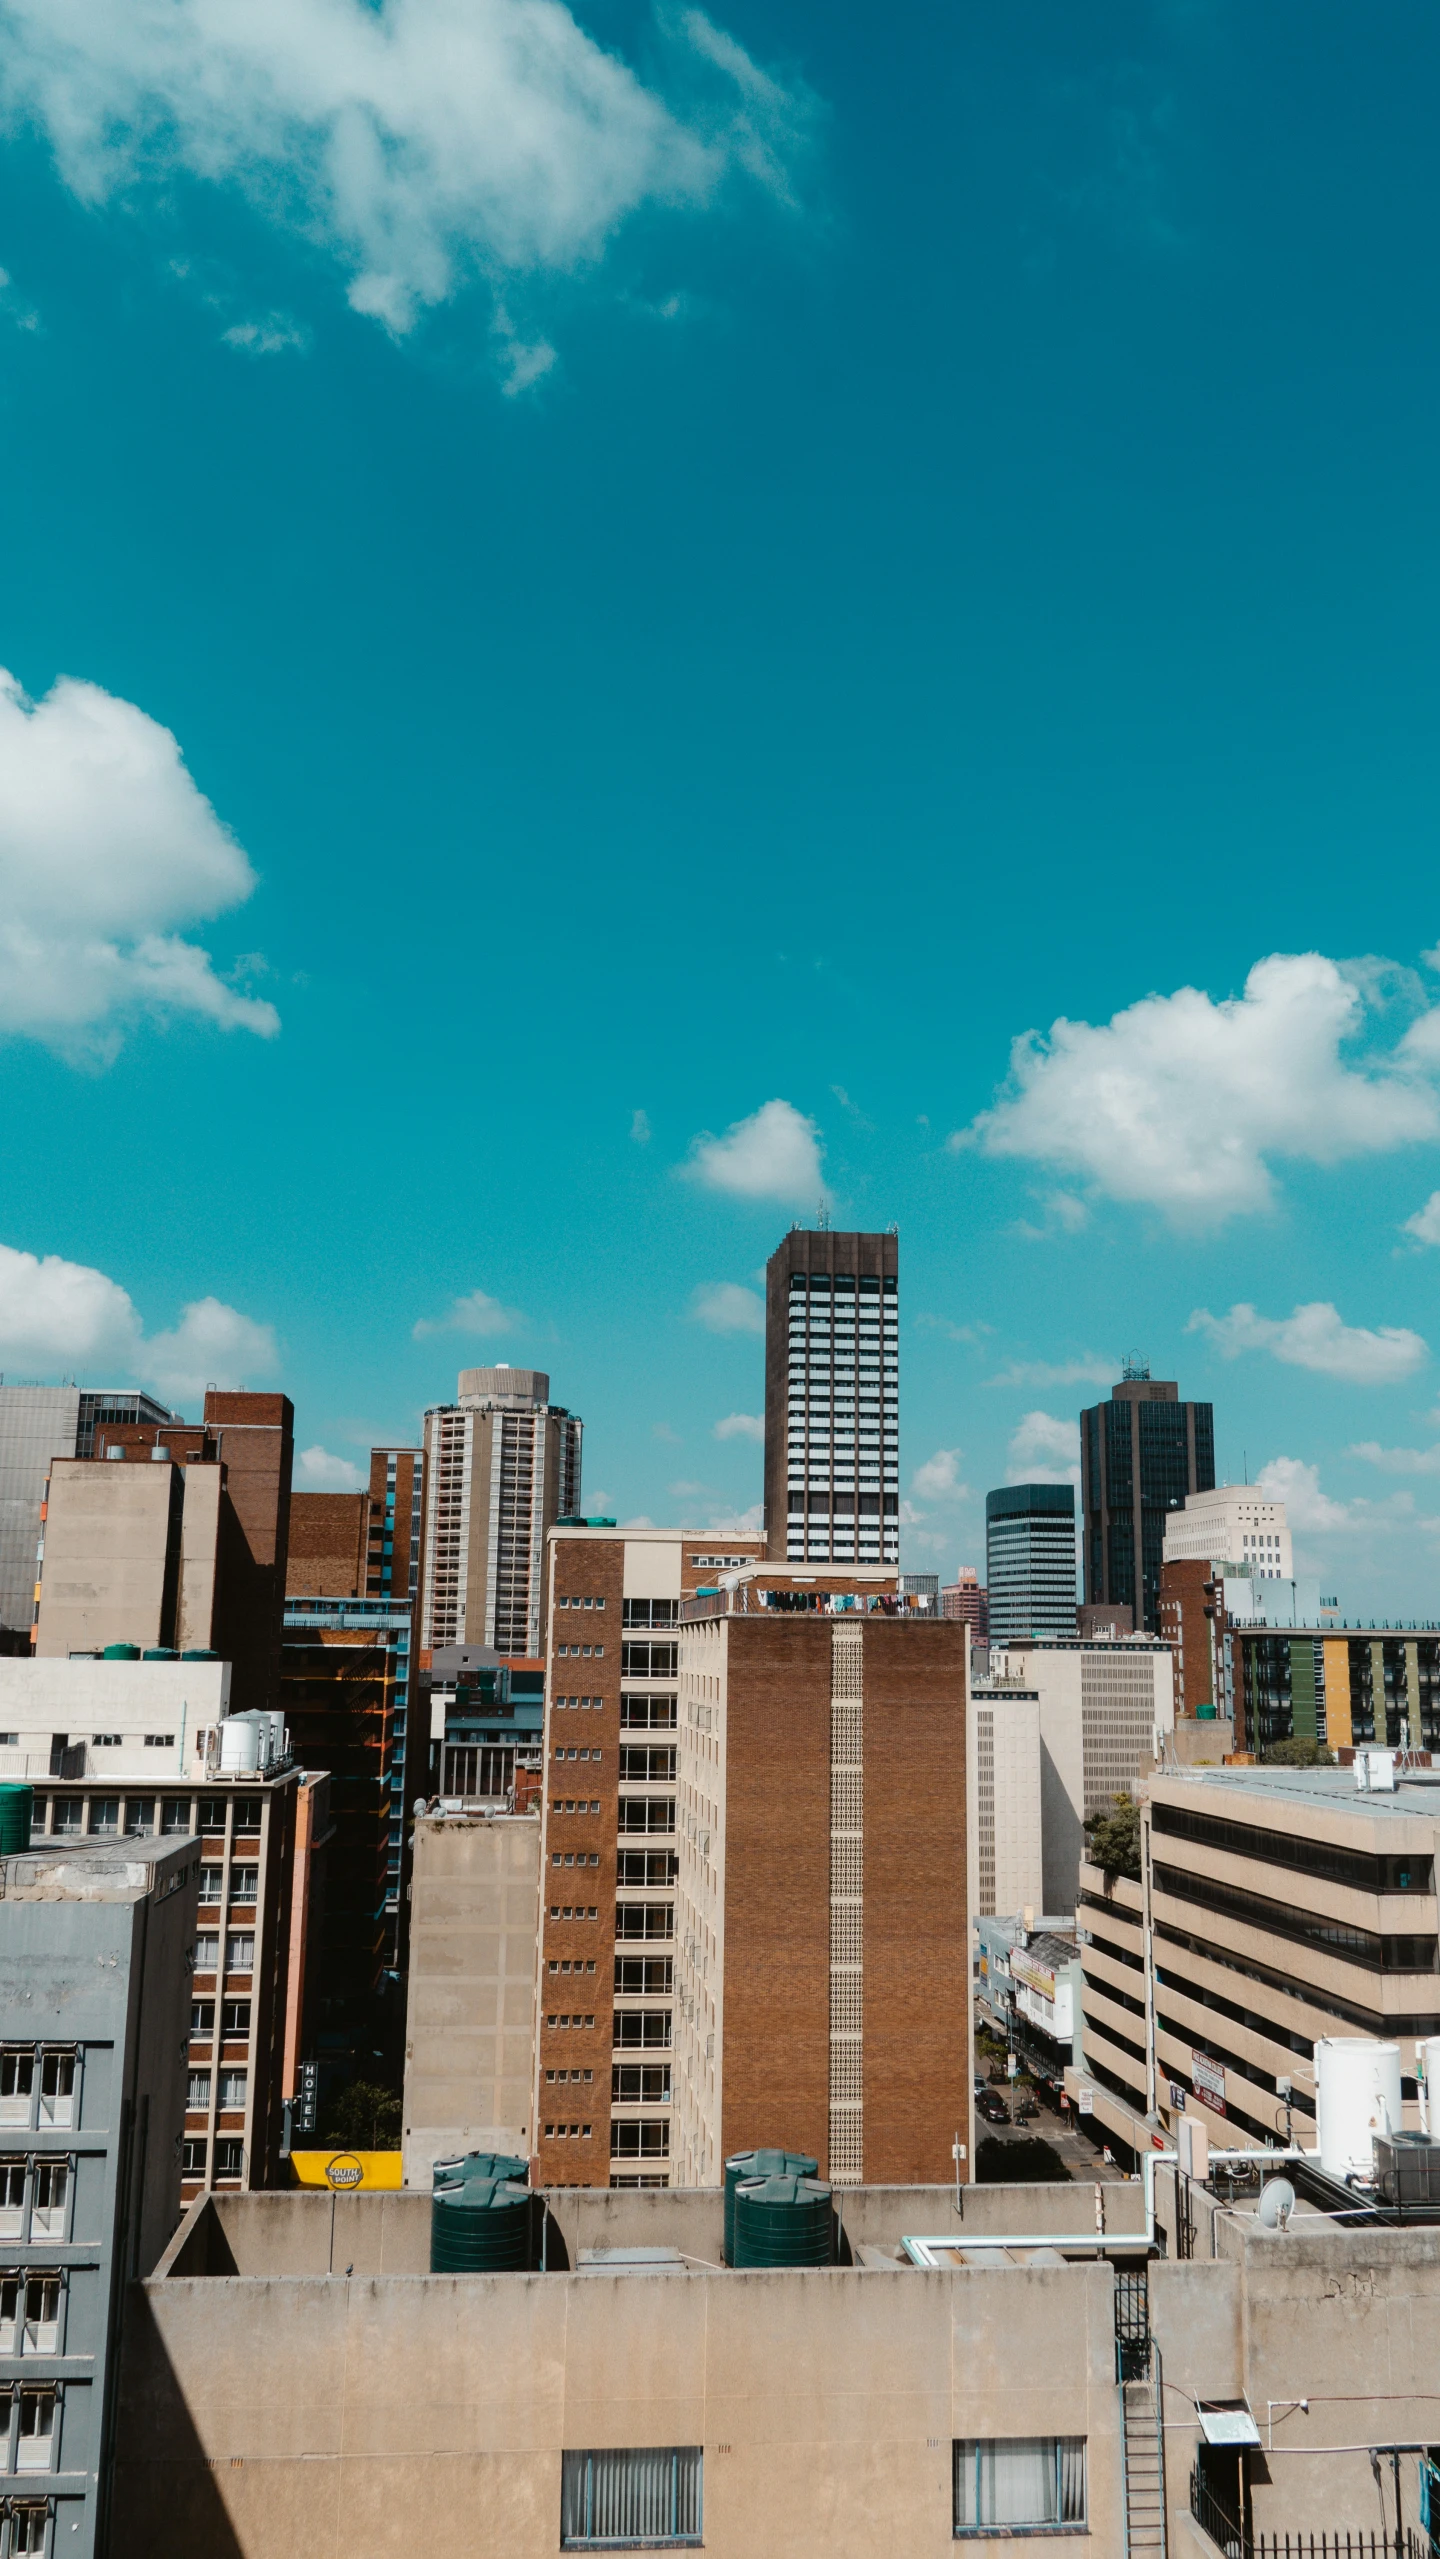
x: 1354, y: 2542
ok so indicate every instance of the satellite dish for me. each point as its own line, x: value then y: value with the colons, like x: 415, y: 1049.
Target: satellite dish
x: 1277, y: 2204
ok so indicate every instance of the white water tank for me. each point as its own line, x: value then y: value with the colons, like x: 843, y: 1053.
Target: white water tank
x: 239, y: 1746
x: 1357, y: 2095
x: 1427, y: 2057
x: 1375, y: 1772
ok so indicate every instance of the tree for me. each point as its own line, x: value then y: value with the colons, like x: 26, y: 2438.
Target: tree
x: 1026, y: 2162
x: 363, y: 2117
x: 1115, y: 1839
x: 1298, y: 1753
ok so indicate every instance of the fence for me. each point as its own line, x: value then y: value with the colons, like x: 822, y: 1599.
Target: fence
x: 1357, y: 2543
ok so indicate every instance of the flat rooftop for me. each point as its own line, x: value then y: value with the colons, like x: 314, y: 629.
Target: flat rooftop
x: 96, y: 1869
x: 1327, y: 1790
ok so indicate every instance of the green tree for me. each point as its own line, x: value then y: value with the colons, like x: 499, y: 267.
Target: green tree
x: 363, y: 2117
x: 1298, y: 1753
x: 1114, y: 1838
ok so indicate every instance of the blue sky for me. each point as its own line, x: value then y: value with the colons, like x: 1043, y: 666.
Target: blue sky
x: 629, y: 563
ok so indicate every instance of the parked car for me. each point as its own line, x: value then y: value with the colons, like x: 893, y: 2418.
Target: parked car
x: 992, y: 2106
x: 1026, y: 2111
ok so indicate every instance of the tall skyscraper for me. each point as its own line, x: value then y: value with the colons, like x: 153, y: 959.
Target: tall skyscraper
x: 1030, y: 1561
x: 832, y: 1398
x: 1141, y: 1456
x: 502, y: 1463
x: 38, y: 1423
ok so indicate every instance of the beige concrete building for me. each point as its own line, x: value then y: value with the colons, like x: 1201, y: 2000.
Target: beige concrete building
x: 470, y: 2019
x: 1106, y: 1705
x: 501, y: 1464
x: 1276, y: 1907
x: 131, y: 1555
x: 1006, y: 1852
x: 295, y: 2381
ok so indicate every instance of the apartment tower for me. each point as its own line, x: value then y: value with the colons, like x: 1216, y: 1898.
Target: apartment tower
x: 1141, y: 1457
x: 37, y: 1425
x: 832, y: 1398
x: 502, y: 1463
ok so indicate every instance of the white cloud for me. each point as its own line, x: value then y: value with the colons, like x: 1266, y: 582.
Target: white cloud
x: 741, y: 1426
x: 1180, y: 1103
x: 1308, y: 1510
x: 62, y: 1315
x: 316, y: 1471
x: 419, y: 142
x: 1425, y: 1224
x: 13, y: 308
x: 105, y: 847
x: 274, y: 335
x: 1093, y: 1370
x: 640, y: 1128
x: 212, y: 1345
x: 938, y: 1479
x: 1043, y: 1450
x: 1314, y: 1337
x: 728, y: 1308
x: 477, y: 1313
x: 58, y: 1314
x: 774, y: 1155
x: 729, y: 1522
x: 1399, y: 1461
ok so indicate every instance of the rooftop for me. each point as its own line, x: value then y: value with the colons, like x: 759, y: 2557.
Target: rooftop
x: 96, y: 1869
x: 1328, y: 1790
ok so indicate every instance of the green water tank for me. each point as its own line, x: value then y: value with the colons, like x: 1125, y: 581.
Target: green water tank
x: 782, y: 2221
x: 1206, y: 1713
x: 198, y: 1653
x: 483, y: 2227
x: 472, y: 2167
x: 16, y: 1806
x: 121, y: 1653
x: 159, y: 1653
x: 745, y: 2165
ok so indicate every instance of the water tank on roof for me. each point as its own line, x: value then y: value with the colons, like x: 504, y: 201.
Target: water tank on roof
x: 1357, y: 2095
x: 239, y: 1747
x: 121, y: 1653
x: 159, y: 1653
x: 783, y: 2221
x: 474, y: 2166
x: 197, y: 1653
x: 17, y: 1803
x: 745, y: 2165
x: 483, y: 2226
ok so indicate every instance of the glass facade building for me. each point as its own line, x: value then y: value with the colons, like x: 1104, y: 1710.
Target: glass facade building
x: 1030, y: 1561
x: 1141, y: 1456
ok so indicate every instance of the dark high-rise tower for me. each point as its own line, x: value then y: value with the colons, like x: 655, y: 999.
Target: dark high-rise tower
x: 832, y: 1398
x: 1141, y: 1455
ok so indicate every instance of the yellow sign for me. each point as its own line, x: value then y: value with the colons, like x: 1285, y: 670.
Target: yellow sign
x: 342, y: 2171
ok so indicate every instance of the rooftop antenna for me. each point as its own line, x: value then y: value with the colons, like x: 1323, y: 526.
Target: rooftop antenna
x: 1135, y: 1369
x: 822, y: 1219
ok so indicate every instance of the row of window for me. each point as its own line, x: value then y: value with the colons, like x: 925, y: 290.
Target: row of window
x: 239, y: 1952
x: 244, y: 1881
x: 1366, y: 1874
x: 64, y: 1816
x: 234, y: 2089
x: 1306, y: 1927
x: 234, y: 2020
x: 229, y: 2158
x: 35, y: 2196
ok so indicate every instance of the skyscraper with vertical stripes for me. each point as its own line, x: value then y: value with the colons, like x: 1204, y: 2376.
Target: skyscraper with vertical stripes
x: 832, y: 1398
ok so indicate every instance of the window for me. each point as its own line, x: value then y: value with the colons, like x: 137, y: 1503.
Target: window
x: 104, y: 1816
x: 641, y: 1766
x: 212, y: 1814
x: 159, y: 1741
x: 210, y: 1874
x: 1031, y: 2483
x: 28, y: 2526
x: 202, y: 2017
x: 639, y: 2141
x: 236, y: 2020
x: 139, y: 1816
x: 52, y: 2197
x: 233, y: 2085
x: 247, y: 1812
x: 647, y: 1714
x: 634, y: 2083
x: 69, y: 1816
x: 175, y: 1814
x: 644, y: 1919
x: 36, y: 2442
x: 12, y: 2198
x: 650, y: 1973
x: 244, y: 1882
x: 207, y: 1951
x: 240, y: 1953
x: 57, y: 2088
x: 40, y: 2333
x: 106, y: 1741
x: 229, y: 2158
x: 197, y: 2098
x: 192, y: 2158
x: 17, y: 2082
x: 647, y: 2028
x: 626, y: 2500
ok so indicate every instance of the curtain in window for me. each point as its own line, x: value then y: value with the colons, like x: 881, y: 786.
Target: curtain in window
x: 627, y: 2496
x: 1020, y: 2479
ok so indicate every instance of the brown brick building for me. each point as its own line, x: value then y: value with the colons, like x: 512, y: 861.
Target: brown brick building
x: 753, y: 1867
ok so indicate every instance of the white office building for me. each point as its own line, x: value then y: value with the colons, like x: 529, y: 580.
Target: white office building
x: 1234, y: 1524
x: 1006, y: 1860
x: 1105, y: 1707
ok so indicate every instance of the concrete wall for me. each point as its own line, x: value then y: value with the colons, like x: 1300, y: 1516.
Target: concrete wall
x: 41, y: 1698
x: 288, y: 2414
x: 470, y: 2022
x: 111, y: 1569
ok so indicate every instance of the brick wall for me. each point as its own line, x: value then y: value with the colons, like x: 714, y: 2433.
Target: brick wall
x: 776, y: 2086
x: 595, y: 1569
x: 326, y: 1558
x: 917, y: 1954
